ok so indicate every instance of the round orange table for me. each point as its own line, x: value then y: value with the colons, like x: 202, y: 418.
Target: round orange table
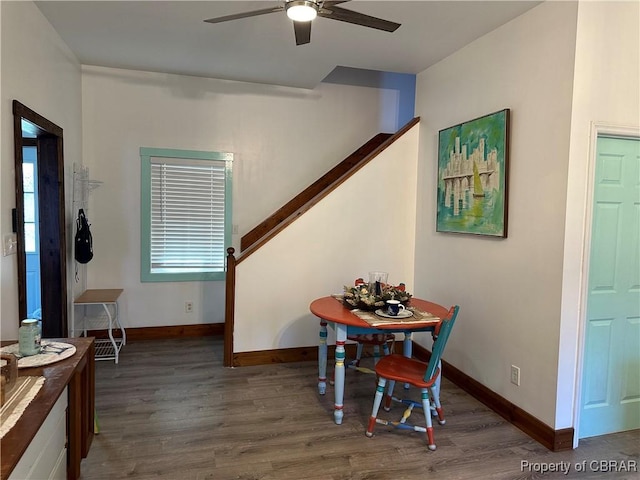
x: 332, y: 312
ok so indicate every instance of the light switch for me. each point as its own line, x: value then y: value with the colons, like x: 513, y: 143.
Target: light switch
x: 9, y: 244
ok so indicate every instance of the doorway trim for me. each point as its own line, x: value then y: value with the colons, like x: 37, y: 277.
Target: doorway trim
x: 52, y: 219
x: 597, y: 129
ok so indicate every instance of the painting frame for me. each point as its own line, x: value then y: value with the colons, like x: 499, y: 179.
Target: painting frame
x: 473, y: 173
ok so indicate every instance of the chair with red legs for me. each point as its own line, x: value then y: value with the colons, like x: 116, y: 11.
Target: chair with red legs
x: 397, y: 368
x: 386, y: 340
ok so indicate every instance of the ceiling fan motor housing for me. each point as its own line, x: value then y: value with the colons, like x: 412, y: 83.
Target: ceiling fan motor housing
x: 301, y: 10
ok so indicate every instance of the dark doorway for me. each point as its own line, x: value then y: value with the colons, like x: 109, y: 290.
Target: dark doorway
x: 33, y: 130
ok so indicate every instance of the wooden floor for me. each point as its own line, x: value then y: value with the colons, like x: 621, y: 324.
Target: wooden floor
x: 169, y: 410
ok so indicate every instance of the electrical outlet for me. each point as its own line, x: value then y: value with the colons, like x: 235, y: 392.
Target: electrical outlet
x: 515, y: 375
x: 188, y: 307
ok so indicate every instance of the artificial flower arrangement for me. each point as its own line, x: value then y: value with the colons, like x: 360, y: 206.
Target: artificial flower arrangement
x: 365, y: 297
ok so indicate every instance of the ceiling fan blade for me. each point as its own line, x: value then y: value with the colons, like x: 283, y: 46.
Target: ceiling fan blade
x: 303, y: 32
x: 349, y: 16
x: 331, y: 3
x: 253, y: 13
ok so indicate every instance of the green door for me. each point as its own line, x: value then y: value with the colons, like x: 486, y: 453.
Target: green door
x: 611, y: 373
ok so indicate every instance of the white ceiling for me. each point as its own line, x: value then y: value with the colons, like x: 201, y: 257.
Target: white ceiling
x: 171, y: 37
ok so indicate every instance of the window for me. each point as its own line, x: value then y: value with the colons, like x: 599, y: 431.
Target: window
x: 29, y: 189
x: 186, y: 214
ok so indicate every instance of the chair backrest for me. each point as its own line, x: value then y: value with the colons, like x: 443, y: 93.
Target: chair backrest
x: 441, y: 341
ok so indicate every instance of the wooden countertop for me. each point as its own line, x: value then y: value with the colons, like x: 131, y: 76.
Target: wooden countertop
x: 57, y: 375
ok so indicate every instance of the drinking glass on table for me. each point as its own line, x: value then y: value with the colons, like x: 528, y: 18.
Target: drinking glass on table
x: 377, y: 280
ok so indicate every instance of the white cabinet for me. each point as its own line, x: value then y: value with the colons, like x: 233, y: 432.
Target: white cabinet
x: 46, y: 455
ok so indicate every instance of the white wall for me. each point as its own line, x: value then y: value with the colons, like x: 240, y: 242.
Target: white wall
x: 282, y: 139
x: 39, y: 71
x: 3, y: 204
x: 367, y: 224
x: 509, y: 290
x: 397, y: 92
x: 606, y: 92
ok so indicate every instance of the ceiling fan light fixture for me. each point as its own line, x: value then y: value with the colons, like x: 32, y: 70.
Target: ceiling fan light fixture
x: 302, y: 10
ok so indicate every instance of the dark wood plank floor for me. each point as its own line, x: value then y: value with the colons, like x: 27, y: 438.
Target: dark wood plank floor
x: 169, y: 410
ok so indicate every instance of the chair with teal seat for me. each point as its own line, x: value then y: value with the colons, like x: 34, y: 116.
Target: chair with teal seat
x: 397, y: 368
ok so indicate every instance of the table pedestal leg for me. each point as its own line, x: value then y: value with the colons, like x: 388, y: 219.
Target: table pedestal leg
x: 436, y: 385
x: 341, y: 338
x: 436, y: 389
x: 407, y: 347
x: 322, y: 359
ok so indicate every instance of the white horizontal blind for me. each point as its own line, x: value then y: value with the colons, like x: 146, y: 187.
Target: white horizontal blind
x: 187, y: 215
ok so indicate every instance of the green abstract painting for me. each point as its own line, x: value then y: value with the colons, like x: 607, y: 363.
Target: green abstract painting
x: 472, y: 176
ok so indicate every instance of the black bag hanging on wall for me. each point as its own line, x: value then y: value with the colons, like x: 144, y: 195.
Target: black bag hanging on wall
x: 84, y: 241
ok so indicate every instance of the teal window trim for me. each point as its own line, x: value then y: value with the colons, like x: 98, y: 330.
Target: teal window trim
x: 146, y: 154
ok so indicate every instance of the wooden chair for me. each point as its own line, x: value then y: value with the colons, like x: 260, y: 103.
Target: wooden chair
x: 377, y: 340
x: 397, y: 368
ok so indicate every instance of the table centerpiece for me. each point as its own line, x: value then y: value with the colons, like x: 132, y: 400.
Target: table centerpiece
x: 364, y: 297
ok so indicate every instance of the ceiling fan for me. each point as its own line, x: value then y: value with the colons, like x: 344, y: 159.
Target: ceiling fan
x: 303, y: 11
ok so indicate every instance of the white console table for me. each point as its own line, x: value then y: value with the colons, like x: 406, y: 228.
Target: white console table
x: 106, y: 349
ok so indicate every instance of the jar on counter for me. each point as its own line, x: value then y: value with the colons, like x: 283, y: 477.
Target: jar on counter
x: 29, y: 337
